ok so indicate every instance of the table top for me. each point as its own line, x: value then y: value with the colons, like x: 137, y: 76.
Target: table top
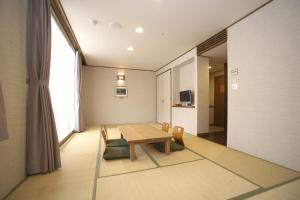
x: 143, y: 133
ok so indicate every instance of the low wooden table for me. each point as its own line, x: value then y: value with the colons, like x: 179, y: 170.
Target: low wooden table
x: 143, y: 134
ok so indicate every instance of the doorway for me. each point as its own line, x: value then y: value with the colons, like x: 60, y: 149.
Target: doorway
x: 219, y: 101
x: 217, y: 95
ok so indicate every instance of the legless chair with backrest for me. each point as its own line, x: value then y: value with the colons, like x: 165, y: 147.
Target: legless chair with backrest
x: 112, y: 142
x: 178, y: 135
x: 165, y: 127
x: 103, y: 135
x: 105, y: 131
x: 116, y: 148
x: 177, y: 144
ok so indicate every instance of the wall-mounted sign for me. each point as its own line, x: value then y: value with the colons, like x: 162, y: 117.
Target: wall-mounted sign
x: 234, y: 84
x: 235, y: 72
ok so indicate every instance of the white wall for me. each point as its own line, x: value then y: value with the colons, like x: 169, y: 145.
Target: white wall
x: 183, y: 78
x: 194, y: 120
x: 186, y: 76
x: 203, y: 95
x: 186, y: 118
x: 13, y: 79
x: 189, y: 55
x: 264, y: 113
x: 102, y: 107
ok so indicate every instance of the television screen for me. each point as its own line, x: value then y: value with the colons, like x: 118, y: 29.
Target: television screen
x: 186, y: 96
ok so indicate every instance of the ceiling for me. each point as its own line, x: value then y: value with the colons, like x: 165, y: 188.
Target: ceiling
x: 171, y: 27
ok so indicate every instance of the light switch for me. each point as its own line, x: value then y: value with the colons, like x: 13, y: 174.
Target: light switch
x: 234, y: 84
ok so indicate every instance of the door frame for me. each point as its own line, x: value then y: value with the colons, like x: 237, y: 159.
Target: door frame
x: 226, y: 97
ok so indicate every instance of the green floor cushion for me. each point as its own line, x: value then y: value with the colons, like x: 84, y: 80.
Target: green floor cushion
x: 112, y: 153
x: 160, y: 146
x: 116, y: 143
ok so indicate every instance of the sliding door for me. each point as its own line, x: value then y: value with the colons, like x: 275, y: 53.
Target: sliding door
x: 163, y: 97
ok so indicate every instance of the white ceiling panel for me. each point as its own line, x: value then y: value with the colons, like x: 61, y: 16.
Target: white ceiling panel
x: 171, y: 27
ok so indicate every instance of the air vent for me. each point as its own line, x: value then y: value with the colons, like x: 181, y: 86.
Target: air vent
x: 212, y: 42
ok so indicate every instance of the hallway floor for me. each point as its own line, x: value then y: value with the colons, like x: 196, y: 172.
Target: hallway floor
x: 216, y: 134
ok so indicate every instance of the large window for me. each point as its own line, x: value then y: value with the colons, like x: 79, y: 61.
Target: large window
x: 62, y: 77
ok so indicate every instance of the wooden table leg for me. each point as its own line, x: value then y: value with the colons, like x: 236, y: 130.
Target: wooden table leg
x: 132, y: 155
x: 167, y: 146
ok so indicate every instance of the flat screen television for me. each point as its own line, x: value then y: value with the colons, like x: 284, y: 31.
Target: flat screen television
x: 186, y: 97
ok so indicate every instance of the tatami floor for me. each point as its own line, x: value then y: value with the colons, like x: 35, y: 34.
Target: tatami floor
x: 204, y: 170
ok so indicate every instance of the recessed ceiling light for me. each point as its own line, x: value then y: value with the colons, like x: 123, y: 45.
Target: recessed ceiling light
x: 130, y: 48
x: 115, y: 25
x: 209, y: 67
x: 94, y: 22
x: 139, y: 29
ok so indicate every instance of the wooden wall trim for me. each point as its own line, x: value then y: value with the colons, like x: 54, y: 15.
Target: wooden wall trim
x: 65, y: 24
x: 212, y: 42
x: 125, y: 68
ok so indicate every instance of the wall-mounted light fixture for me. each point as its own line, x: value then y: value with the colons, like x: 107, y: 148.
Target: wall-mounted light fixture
x: 121, y: 77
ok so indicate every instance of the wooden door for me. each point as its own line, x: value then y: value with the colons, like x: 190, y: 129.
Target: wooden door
x: 219, y: 101
x: 163, y: 96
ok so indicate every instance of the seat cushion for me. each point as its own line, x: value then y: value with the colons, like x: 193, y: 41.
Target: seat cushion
x: 116, y: 143
x: 112, y: 153
x: 160, y: 146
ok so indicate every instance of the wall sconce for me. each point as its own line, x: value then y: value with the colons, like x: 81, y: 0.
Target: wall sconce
x: 121, y: 77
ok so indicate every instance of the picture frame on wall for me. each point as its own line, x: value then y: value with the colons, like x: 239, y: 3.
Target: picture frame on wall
x: 121, y: 91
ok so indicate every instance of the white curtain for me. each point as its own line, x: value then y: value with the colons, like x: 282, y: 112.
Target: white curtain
x: 79, y: 122
x: 62, y: 82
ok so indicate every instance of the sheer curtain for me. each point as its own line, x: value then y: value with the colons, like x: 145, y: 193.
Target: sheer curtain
x: 79, y: 122
x: 62, y: 82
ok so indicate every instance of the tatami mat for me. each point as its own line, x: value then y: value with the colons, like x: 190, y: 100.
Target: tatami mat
x: 261, y: 172
x: 75, y: 180
x: 173, y: 158
x: 290, y: 191
x: 193, y: 180
x: 120, y: 166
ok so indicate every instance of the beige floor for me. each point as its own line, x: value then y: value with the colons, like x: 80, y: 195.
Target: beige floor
x: 289, y: 191
x: 75, y: 180
x: 113, y: 167
x: 194, y: 180
x: 261, y: 172
x: 174, y: 158
x: 219, y: 174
